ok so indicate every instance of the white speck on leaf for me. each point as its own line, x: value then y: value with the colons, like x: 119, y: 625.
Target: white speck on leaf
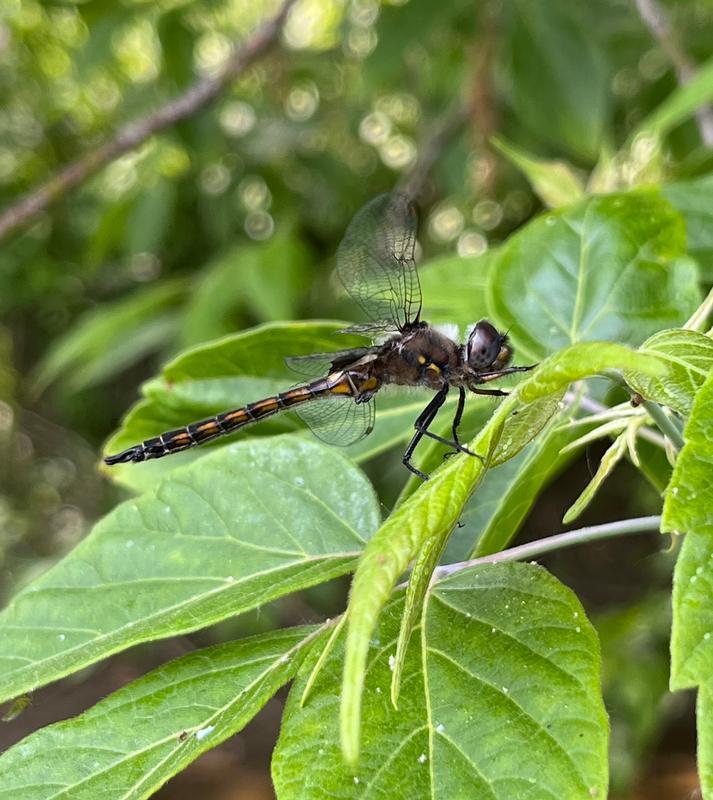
x: 506, y: 690
x: 130, y: 543
x: 422, y: 758
x: 392, y: 663
x: 440, y: 727
x: 204, y: 732
x: 61, y: 637
x: 356, y: 780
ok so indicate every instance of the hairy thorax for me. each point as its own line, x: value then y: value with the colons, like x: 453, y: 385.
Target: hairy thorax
x: 423, y: 357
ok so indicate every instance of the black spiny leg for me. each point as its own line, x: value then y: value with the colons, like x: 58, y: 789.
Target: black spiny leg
x: 425, y: 418
x: 459, y: 448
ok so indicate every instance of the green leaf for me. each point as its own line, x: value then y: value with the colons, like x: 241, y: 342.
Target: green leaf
x: 610, y: 459
x: 681, y: 104
x: 434, y: 509
x: 500, y: 699
x: 507, y: 494
x: 240, y: 369
x: 694, y: 201
x: 687, y: 509
x: 418, y: 585
x: 555, y: 182
x: 607, y: 268
x: 704, y: 715
x: 156, y: 725
x: 107, y: 340
x: 557, y: 79
x: 264, y: 279
x: 689, y: 358
x: 248, y: 524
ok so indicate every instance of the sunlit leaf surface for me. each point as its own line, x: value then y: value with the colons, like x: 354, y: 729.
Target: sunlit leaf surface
x: 250, y: 523
x: 688, y: 510
x: 132, y: 742
x: 608, y: 268
x: 500, y: 699
x: 689, y: 359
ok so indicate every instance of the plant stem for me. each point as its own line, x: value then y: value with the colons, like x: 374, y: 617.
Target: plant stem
x: 665, y: 424
x: 700, y: 315
x: 539, y: 547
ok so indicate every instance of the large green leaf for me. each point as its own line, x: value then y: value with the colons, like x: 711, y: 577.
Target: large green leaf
x: 500, y: 699
x: 688, y: 509
x: 133, y: 741
x: 609, y: 268
x: 689, y: 356
x: 247, y: 524
x: 434, y: 509
x: 556, y: 76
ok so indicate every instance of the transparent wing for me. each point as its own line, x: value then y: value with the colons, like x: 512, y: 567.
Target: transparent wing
x: 317, y: 365
x: 376, y: 261
x: 338, y: 420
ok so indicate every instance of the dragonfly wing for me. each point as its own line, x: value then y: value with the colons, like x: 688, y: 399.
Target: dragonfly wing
x: 338, y: 419
x: 376, y: 261
x: 317, y: 365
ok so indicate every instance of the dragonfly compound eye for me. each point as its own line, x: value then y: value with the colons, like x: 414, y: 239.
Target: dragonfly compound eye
x: 484, y: 345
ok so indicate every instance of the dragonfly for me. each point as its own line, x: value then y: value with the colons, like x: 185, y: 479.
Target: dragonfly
x: 376, y: 263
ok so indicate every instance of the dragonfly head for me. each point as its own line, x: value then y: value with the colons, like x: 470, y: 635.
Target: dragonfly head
x: 487, y: 349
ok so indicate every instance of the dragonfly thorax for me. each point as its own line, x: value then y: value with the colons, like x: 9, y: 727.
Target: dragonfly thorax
x: 421, y: 356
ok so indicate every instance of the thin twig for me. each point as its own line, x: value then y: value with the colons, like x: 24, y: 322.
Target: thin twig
x: 196, y: 97
x: 658, y: 23
x: 539, y: 547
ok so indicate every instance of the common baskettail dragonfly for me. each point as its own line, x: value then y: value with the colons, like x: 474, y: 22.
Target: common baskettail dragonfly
x: 376, y: 263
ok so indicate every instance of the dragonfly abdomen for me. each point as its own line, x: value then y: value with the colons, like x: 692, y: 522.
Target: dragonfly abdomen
x: 227, y: 422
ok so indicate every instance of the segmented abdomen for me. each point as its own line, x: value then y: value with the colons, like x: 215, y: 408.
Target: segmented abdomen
x: 199, y: 432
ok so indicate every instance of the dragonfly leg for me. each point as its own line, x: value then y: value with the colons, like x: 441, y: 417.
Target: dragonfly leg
x: 458, y: 447
x: 491, y: 392
x: 425, y: 418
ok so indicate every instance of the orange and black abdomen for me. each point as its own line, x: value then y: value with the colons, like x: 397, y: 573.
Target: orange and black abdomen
x: 199, y: 432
